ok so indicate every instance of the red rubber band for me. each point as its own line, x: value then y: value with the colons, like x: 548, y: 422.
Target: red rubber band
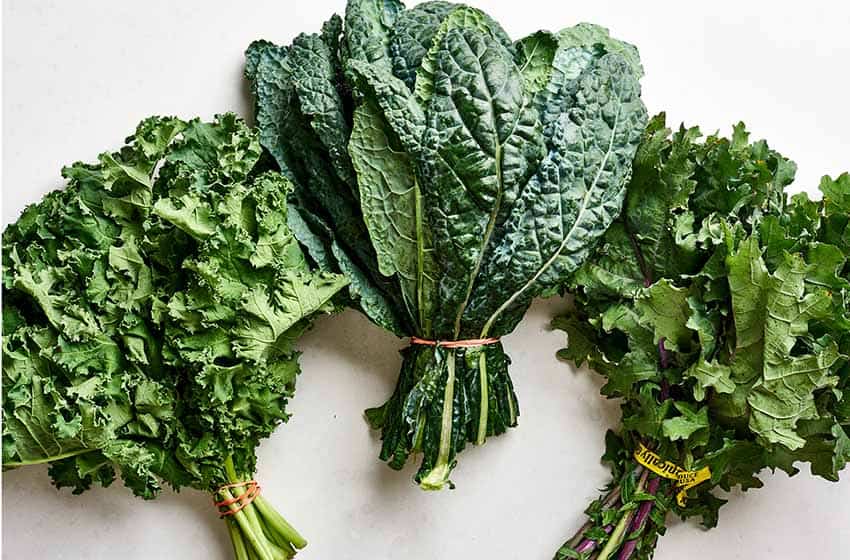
x: 243, y: 499
x: 470, y: 343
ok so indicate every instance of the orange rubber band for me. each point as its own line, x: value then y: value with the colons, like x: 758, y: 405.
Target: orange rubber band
x: 470, y: 343
x: 243, y: 499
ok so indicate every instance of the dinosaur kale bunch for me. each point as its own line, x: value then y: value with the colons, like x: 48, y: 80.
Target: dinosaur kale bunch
x: 716, y: 308
x: 150, y: 312
x: 453, y: 175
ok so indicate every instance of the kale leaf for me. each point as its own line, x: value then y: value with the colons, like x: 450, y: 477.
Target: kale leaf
x: 453, y: 176
x: 716, y: 309
x: 150, y: 315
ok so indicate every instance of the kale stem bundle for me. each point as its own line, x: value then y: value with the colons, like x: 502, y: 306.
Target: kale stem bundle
x: 257, y: 530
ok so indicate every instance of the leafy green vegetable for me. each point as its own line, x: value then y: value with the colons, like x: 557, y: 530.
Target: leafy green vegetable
x: 453, y: 176
x: 150, y: 312
x: 716, y: 308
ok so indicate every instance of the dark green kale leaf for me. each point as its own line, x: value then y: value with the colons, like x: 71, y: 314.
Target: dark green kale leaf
x: 484, y: 172
x: 303, y: 113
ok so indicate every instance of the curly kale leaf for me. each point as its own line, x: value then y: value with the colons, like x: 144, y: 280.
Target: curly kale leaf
x: 151, y: 310
x: 716, y: 308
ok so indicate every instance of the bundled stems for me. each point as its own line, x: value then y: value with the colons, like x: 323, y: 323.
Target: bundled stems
x: 620, y: 530
x: 445, y: 398
x: 639, y: 522
x: 626, y: 535
x: 606, y: 537
x: 257, y: 530
x: 611, y: 500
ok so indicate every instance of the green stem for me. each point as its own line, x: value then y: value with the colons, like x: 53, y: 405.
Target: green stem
x: 43, y: 460
x: 247, y: 517
x: 230, y: 471
x: 257, y: 540
x: 279, y: 523
x: 616, y: 538
x: 240, y: 551
x: 286, y: 551
x: 436, y: 478
x: 619, y: 532
x: 485, y: 398
x: 274, y: 536
x: 511, y: 407
x: 488, y: 232
x: 279, y: 551
x: 238, y: 491
x: 254, y: 520
x: 252, y: 554
x: 424, y: 320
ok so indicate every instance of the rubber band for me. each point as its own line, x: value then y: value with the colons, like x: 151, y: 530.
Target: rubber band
x: 470, y: 343
x: 244, y: 499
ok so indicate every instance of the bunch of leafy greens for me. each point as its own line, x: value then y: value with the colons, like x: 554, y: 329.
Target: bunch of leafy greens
x: 716, y: 308
x: 150, y: 311
x: 453, y: 176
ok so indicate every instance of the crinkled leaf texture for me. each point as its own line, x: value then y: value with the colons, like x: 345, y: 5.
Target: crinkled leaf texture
x: 716, y: 308
x: 483, y: 173
x: 150, y: 312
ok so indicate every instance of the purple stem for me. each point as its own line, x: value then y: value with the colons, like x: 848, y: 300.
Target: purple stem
x: 662, y: 353
x: 639, y: 521
x: 646, y: 507
x: 585, y: 546
x: 577, y: 538
x: 610, y: 501
x: 665, y: 363
x: 627, y: 550
x: 665, y: 390
x: 588, y: 545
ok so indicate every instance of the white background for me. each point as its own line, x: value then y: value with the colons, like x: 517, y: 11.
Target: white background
x: 78, y: 76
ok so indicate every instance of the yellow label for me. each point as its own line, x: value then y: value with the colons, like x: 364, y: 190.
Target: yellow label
x: 684, y: 479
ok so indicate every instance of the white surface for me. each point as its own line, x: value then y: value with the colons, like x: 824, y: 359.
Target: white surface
x: 79, y: 75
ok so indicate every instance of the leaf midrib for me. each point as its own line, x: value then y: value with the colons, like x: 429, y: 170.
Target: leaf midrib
x: 497, y: 203
x: 488, y: 325
x: 488, y: 232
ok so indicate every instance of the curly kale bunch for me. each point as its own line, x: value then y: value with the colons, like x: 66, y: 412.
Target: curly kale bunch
x: 716, y: 308
x: 150, y: 312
